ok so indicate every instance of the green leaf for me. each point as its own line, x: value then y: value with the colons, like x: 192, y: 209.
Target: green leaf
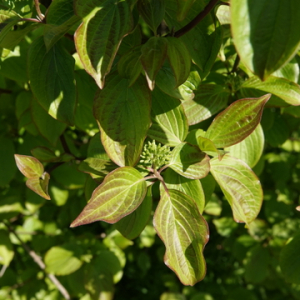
x: 7, y: 162
x: 29, y: 166
x: 208, y: 146
x: 39, y: 185
x: 128, y: 108
x: 46, y: 125
x: 63, y: 260
x: 20, y: 7
x: 132, y: 225
x: 290, y: 71
x: 240, y: 186
x: 154, y: 53
x: 184, y: 232
x: 152, y: 12
x: 289, y: 260
x: 121, y: 192
x: 44, y: 154
x: 188, y: 161
x: 59, y: 12
x: 129, y: 65
x: 169, y: 124
x: 179, y: 59
x: 54, y: 90
x: 98, y: 38
x: 190, y: 187
x: 209, y: 99
x: 250, y: 149
x: 183, y: 8
x: 286, y: 92
x: 266, y: 33
x: 6, y: 249
x: 237, y: 121
x: 98, y: 168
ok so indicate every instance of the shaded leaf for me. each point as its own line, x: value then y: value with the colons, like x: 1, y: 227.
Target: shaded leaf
x: 132, y: 225
x: 127, y: 108
x: 29, y: 166
x: 169, y: 124
x: 250, y: 149
x: 184, y: 232
x: 183, y: 8
x: 240, y: 186
x: 59, y: 12
x: 209, y: 99
x: 154, y: 53
x: 237, y: 121
x: 98, y: 38
x: 265, y: 33
x: 190, y: 187
x: 188, y: 161
x: 7, y: 162
x: 121, y: 192
x: 44, y: 154
x: 53, y: 89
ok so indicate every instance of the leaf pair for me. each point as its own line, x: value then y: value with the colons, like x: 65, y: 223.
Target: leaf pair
x: 37, y: 179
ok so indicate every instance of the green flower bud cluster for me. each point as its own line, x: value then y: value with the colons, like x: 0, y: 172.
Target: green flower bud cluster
x: 155, y: 156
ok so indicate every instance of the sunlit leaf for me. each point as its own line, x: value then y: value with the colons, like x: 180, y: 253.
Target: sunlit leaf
x: 39, y: 185
x: 29, y: 166
x: 6, y: 249
x: 184, y: 232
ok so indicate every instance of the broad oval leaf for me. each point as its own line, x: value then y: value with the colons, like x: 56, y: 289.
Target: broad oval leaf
x: 289, y: 260
x: 154, y: 53
x: 250, y: 149
x: 237, y: 121
x: 121, y: 192
x: 179, y: 58
x: 184, y: 232
x: 98, y: 38
x: 190, y: 187
x: 183, y: 8
x: 132, y: 225
x: 152, y: 11
x: 169, y: 124
x: 287, y: 91
x: 123, y: 115
x: 29, y: 166
x: 53, y: 89
x: 189, y: 161
x: 240, y: 186
x: 266, y: 33
x: 40, y: 185
x: 209, y: 99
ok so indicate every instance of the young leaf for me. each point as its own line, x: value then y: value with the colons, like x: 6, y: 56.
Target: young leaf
x: 237, y: 121
x: 29, y: 166
x: 98, y: 38
x: 169, y: 124
x: 152, y: 11
x: 132, y: 225
x: 240, y: 186
x: 123, y: 114
x: 53, y: 89
x: 179, y: 59
x: 287, y: 91
x: 265, y: 33
x: 209, y: 147
x: 190, y: 187
x: 40, y: 185
x: 121, y: 192
x: 209, y: 99
x: 250, y: 149
x: 184, y: 232
x: 154, y: 53
x: 188, y: 161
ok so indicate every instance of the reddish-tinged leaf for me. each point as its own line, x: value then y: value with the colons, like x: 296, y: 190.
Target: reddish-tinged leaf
x: 237, y: 121
x: 29, y: 166
x: 121, y: 192
x: 184, y: 232
x: 40, y: 185
x: 154, y: 53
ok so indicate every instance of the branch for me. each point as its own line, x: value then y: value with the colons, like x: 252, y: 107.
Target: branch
x: 40, y: 263
x: 38, y: 10
x: 197, y: 19
x: 31, y: 20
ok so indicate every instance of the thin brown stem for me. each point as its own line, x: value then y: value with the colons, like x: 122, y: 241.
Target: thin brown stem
x: 31, y: 20
x: 39, y: 262
x: 159, y: 177
x: 197, y: 19
x: 38, y: 10
x: 236, y: 64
